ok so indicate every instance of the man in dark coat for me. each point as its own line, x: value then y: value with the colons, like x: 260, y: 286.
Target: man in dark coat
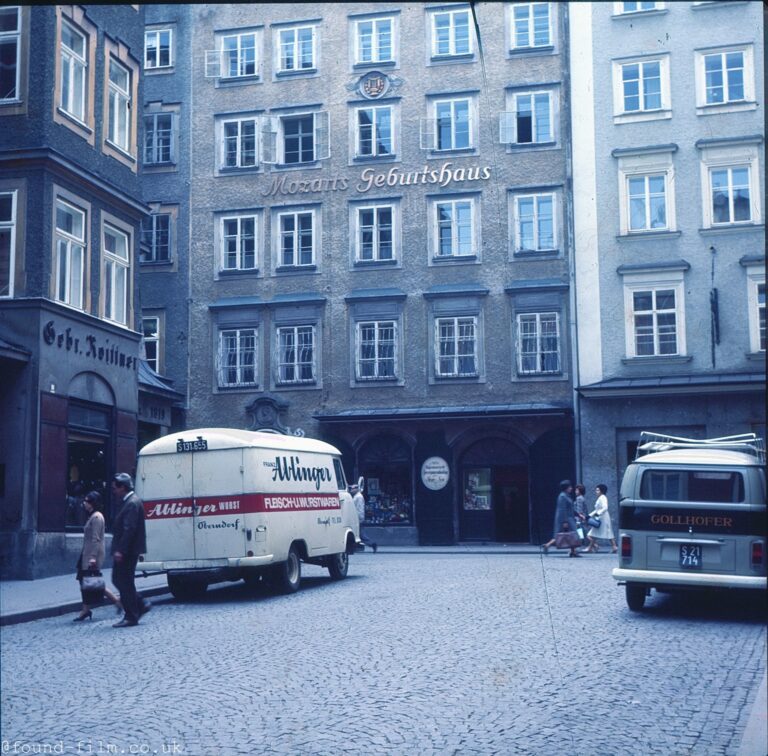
x: 129, y: 539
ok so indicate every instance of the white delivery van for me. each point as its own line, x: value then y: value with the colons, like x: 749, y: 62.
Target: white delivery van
x: 224, y: 504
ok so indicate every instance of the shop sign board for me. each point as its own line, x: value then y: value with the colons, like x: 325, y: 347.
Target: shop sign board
x: 435, y: 473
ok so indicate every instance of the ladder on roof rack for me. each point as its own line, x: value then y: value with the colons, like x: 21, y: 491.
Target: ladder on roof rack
x: 749, y: 443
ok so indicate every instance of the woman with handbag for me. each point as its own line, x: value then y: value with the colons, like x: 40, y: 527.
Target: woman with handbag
x: 600, y: 521
x: 564, y: 528
x: 92, y: 585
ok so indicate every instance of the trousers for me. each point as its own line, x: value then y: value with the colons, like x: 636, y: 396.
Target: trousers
x: 124, y: 578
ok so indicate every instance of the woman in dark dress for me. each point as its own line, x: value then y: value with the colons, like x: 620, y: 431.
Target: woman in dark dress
x: 564, y: 515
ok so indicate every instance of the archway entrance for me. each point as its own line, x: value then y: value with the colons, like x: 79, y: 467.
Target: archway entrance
x: 494, y: 505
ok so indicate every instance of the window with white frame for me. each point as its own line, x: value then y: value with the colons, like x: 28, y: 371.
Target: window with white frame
x: 150, y: 331
x: 454, y: 228
x: 296, y: 49
x: 156, y: 232
x: 74, y: 71
x: 70, y: 254
x: 531, y: 120
x: 451, y: 33
x: 374, y: 40
x: 646, y: 190
x: 158, y: 139
x: 119, y: 107
x: 7, y: 242
x: 453, y: 128
x: 116, y: 274
x: 531, y: 25
x: 655, y: 322
x: 637, y: 7
x: 725, y: 79
x: 296, y: 354
x: 376, y: 350
x: 238, y: 242
x: 760, y: 315
x: 538, y: 343
x: 647, y: 198
x: 375, y: 233
x: 535, y: 228
x: 297, y: 239
x: 238, y: 55
x: 756, y: 306
x: 730, y: 193
x: 374, y: 131
x: 456, y: 354
x: 239, y: 143
x: 295, y: 139
x: 10, y: 52
x: 236, y: 357
x: 158, y: 48
x: 641, y: 86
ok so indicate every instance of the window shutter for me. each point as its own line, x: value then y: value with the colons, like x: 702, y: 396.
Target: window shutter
x: 427, y: 133
x: 322, y: 134
x: 213, y: 64
x: 174, y: 137
x: 396, y: 348
x: 507, y: 127
x: 268, y: 127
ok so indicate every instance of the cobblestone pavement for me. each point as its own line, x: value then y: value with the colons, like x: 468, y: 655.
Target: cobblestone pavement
x: 412, y: 654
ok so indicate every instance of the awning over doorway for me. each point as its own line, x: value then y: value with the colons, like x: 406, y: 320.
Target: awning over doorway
x: 369, y: 414
x: 707, y: 383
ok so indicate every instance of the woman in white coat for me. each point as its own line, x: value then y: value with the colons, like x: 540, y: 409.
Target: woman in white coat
x: 601, y: 512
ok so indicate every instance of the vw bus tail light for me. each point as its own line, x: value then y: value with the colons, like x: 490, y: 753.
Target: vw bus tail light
x: 626, y: 547
x: 758, y: 553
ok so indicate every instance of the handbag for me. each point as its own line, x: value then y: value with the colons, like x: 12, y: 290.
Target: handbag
x: 593, y: 522
x: 568, y: 539
x: 92, y: 587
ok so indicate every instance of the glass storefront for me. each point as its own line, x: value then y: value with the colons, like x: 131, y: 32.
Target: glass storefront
x: 385, y: 463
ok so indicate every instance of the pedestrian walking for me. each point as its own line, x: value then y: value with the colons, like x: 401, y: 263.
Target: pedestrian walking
x: 129, y: 540
x: 359, y: 501
x: 92, y: 556
x: 580, y: 510
x: 565, y: 519
x: 605, y: 529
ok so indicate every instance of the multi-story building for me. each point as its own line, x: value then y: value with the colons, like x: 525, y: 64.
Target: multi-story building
x: 71, y: 375
x: 379, y: 250
x: 668, y: 144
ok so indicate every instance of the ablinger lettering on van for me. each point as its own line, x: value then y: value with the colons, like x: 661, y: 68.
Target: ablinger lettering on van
x: 290, y: 468
x: 250, y: 503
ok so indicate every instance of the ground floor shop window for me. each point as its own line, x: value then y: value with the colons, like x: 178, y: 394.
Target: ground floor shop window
x: 385, y: 463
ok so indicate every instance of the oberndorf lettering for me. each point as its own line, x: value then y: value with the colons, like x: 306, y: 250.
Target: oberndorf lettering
x: 92, y: 348
x: 290, y: 468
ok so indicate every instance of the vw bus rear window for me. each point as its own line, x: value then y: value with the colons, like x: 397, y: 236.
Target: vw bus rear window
x: 705, y: 486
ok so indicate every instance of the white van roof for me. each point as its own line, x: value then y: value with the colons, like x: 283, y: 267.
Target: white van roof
x: 698, y: 457
x: 234, y: 438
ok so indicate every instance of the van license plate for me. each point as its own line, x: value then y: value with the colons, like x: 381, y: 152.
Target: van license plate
x: 690, y: 556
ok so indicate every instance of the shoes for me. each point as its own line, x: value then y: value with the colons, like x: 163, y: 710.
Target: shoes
x: 125, y: 623
x: 81, y: 617
x: 375, y: 547
x: 587, y: 550
x: 574, y: 554
x: 145, y: 608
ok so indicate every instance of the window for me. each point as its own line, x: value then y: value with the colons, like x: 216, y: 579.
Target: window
x: 530, y: 121
x: 237, y: 357
x: 636, y: 7
x: 725, y: 79
x: 375, y: 233
x: 7, y: 242
x: 450, y: 33
x: 535, y: 222
x: 119, y: 105
x: 158, y: 139
x: 116, y: 272
x: 760, y: 305
x: 297, y: 246
x: 150, y: 329
x: 156, y: 231
x: 296, y: 354
x: 297, y: 49
x: 239, y: 143
x: 158, y: 51
x: 295, y: 139
x: 647, y: 202
x: 530, y: 25
x: 10, y: 52
x: 729, y: 190
x: 238, y: 55
x: 238, y: 243
x: 654, y: 314
x: 70, y: 254
x: 756, y: 305
x: 374, y: 40
x: 298, y: 139
x: 455, y: 232
x: 74, y: 63
x: 456, y: 347
x: 538, y: 343
x: 375, y: 137
x: 642, y: 86
x: 452, y: 121
x: 376, y: 350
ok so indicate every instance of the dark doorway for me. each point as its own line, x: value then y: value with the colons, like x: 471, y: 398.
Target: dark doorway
x: 87, y: 470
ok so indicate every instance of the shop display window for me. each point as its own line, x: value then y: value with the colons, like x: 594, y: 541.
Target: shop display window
x: 385, y: 463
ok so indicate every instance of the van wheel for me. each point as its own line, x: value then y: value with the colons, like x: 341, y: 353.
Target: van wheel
x: 635, y: 596
x: 287, y: 574
x: 338, y: 565
x: 185, y: 588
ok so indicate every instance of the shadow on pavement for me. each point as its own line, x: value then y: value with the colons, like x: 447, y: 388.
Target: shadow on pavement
x: 744, y: 607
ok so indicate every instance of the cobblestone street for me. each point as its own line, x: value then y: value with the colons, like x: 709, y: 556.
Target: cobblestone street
x: 412, y: 654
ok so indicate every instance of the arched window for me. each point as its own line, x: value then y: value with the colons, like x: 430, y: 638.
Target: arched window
x: 386, y: 464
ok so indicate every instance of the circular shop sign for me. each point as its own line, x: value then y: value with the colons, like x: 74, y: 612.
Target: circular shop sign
x: 435, y: 473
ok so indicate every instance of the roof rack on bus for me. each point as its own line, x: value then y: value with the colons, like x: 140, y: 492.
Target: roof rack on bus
x: 749, y: 443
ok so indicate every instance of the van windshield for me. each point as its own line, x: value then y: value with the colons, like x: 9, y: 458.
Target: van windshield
x: 708, y: 486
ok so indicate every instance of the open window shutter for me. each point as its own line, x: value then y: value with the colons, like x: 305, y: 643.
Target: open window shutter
x: 396, y: 350
x: 268, y: 127
x: 213, y: 64
x: 506, y: 127
x: 174, y: 136
x: 322, y: 136
x: 427, y: 132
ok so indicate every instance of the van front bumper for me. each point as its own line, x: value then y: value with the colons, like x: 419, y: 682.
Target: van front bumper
x: 689, y: 579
